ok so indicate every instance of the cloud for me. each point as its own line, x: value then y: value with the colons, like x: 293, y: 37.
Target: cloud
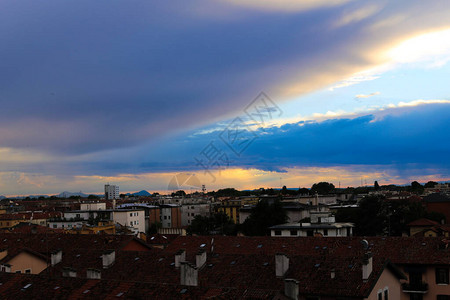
x: 83, y: 77
x: 359, y: 96
x: 287, y: 5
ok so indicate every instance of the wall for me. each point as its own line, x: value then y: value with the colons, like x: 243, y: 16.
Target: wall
x: 386, y: 280
x: 25, y: 260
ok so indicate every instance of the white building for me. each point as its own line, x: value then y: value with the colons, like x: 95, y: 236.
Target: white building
x: 132, y: 218
x: 111, y: 192
x: 322, y: 224
x: 93, y: 206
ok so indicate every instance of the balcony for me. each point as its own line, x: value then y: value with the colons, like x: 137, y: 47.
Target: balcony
x: 418, y: 287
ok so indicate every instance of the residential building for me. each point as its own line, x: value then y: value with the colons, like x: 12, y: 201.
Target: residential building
x: 132, y: 218
x: 170, y: 216
x: 322, y: 224
x: 189, y: 211
x: 224, y: 267
x: 111, y: 192
x: 438, y: 203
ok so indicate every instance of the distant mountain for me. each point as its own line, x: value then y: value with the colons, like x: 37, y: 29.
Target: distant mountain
x: 66, y: 194
x: 2, y: 197
x: 140, y: 193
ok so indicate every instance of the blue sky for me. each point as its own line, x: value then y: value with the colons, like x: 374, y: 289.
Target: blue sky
x: 132, y: 92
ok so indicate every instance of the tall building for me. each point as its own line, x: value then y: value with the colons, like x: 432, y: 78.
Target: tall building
x: 111, y: 192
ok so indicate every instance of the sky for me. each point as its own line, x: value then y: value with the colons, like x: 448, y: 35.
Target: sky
x: 243, y: 94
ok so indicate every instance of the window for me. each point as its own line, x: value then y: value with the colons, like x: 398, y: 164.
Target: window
x: 325, y: 232
x: 55, y: 226
x: 309, y: 233
x: 165, y: 217
x: 416, y: 296
x: 380, y: 295
x: 277, y: 232
x: 131, y: 214
x: 18, y: 272
x: 293, y: 232
x: 28, y: 271
x: 442, y: 275
x: 442, y: 297
x: 386, y: 294
x: 131, y: 223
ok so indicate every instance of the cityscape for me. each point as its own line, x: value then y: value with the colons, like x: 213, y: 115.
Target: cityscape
x: 224, y: 149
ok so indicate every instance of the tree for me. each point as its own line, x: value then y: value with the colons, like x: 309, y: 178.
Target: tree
x: 179, y: 193
x: 416, y: 188
x: 218, y: 223
x: 154, y: 227
x: 323, y: 188
x: 93, y: 197
x: 263, y: 216
x: 430, y: 184
x: 303, y: 191
x: 376, y: 186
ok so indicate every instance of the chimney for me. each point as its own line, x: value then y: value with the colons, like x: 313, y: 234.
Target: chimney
x: 56, y: 257
x: 291, y: 288
x: 93, y: 274
x: 108, y: 258
x: 180, y: 256
x: 281, y: 264
x: 5, y: 268
x: 200, y: 258
x: 69, y: 272
x: 189, y: 274
x: 367, y: 266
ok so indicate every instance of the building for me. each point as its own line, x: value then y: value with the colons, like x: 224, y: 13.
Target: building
x: 225, y: 267
x: 170, y: 216
x: 189, y: 211
x: 132, y: 218
x: 322, y: 224
x: 91, y: 205
x: 425, y: 227
x: 231, y: 207
x: 38, y: 218
x: 111, y: 192
x: 438, y: 203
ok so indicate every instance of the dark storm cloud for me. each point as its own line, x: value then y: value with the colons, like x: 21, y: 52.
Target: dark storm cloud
x: 82, y: 76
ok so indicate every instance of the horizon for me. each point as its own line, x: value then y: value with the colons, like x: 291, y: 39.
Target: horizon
x: 192, y: 191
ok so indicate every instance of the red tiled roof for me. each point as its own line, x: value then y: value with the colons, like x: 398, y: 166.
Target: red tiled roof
x: 30, y: 215
x: 242, y: 267
x: 423, y: 222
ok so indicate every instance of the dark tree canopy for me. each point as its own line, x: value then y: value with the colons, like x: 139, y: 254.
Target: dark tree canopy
x: 430, y: 184
x: 417, y: 188
x: 376, y: 186
x: 263, y: 216
x: 323, y: 188
x: 218, y: 223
